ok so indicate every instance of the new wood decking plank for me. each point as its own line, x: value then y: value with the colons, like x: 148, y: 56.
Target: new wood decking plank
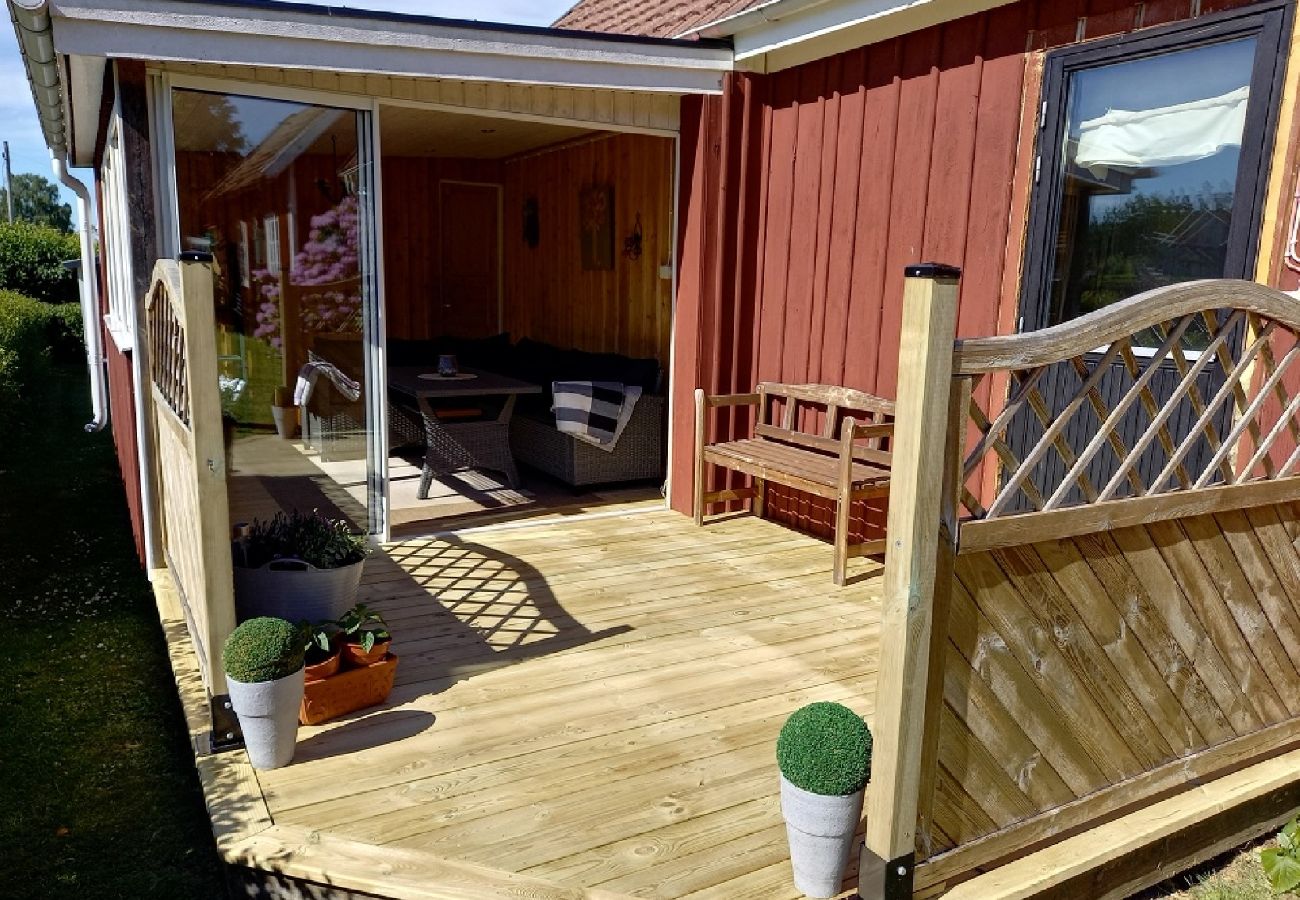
x: 644, y: 854
x: 498, y: 735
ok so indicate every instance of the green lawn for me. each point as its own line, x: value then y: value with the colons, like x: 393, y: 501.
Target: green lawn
x: 98, y: 794
x: 1236, y: 876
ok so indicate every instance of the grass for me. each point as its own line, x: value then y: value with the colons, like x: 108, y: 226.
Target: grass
x: 98, y: 793
x: 1237, y: 875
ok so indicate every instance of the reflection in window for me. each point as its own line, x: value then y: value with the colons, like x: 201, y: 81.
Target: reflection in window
x: 1151, y: 153
x: 247, y: 170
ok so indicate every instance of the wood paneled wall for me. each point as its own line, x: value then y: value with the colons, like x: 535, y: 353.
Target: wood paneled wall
x: 549, y: 297
x: 411, y: 238
x: 804, y: 194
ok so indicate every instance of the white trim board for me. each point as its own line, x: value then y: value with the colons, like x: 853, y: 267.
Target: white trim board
x: 786, y: 33
x: 171, y: 30
x: 630, y: 111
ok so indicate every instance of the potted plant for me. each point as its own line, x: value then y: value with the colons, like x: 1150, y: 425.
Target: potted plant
x: 298, y: 566
x: 322, y: 650
x: 824, y: 754
x: 284, y: 413
x: 264, y: 675
x: 365, y: 636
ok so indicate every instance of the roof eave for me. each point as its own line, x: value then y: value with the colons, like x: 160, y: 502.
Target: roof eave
x: 32, y: 26
x: 244, y: 33
x: 780, y: 34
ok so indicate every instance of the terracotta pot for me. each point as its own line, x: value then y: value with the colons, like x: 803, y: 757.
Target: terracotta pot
x: 357, y: 656
x: 325, y: 668
x: 348, y: 691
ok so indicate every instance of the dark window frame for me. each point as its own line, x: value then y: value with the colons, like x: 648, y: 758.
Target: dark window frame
x: 1269, y: 22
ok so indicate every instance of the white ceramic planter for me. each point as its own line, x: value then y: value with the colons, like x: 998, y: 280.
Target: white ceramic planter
x: 268, y: 716
x: 820, y: 830
x: 294, y: 590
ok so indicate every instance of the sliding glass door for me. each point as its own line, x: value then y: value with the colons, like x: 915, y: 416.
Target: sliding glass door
x: 282, y: 194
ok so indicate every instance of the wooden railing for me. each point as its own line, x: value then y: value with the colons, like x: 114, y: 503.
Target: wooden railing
x: 191, y: 461
x: 1092, y: 592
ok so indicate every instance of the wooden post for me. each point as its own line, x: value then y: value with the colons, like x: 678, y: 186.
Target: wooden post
x: 916, y: 488
x: 700, y: 424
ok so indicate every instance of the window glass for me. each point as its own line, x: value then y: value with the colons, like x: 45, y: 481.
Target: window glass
x: 1150, y: 161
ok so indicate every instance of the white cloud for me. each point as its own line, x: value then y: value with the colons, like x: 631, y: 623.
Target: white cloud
x: 19, y: 126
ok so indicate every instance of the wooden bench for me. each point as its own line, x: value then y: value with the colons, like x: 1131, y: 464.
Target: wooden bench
x: 848, y: 460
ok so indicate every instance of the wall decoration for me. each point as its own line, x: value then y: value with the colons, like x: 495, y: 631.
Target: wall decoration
x: 632, y: 243
x: 596, y: 208
x: 532, y: 223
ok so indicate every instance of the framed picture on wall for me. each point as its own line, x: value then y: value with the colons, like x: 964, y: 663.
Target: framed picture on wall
x: 596, y: 207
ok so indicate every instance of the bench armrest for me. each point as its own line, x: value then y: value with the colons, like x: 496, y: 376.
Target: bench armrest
x: 869, y: 429
x: 712, y: 401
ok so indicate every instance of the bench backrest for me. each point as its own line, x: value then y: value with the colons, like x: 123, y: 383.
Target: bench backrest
x: 833, y: 402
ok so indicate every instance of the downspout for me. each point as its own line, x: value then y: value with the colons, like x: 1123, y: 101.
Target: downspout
x: 89, y: 291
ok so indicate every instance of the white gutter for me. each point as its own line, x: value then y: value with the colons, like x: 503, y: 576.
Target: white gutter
x: 89, y: 291
x: 36, y: 44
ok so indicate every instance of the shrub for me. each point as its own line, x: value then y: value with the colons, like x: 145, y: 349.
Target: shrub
x: 825, y: 748
x: 324, y: 543
x: 31, y: 261
x: 263, y: 649
x: 31, y: 332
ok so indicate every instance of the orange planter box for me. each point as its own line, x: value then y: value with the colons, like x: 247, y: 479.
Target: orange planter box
x: 347, y: 691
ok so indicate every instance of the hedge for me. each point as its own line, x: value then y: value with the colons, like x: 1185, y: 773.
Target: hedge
x: 32, y: 333
x: 31, y: 261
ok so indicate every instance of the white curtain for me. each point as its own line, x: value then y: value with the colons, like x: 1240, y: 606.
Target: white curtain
x: 1165, y: 136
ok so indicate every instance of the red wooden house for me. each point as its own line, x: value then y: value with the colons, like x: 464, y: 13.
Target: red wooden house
x: 711, y: 195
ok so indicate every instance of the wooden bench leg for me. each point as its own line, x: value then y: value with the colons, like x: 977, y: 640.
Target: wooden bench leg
x: 698, y: 506
x: 842, y: 509
x: 760, y: 497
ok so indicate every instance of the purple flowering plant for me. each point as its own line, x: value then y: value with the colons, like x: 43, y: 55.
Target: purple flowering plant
x: 329, y: 258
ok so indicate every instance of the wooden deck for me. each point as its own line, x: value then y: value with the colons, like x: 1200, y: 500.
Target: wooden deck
x: 593, y: 704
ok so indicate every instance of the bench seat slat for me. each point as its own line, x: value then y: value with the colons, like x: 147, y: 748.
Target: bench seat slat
x: 770, y: 459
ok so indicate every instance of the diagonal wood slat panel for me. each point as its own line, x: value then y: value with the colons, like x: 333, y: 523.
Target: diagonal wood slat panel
x: 1079, y: 670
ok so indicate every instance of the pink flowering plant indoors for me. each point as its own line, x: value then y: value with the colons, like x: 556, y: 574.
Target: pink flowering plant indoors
x: 330, y: 259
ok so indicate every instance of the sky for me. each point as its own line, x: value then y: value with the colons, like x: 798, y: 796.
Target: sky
x: 18, y: 124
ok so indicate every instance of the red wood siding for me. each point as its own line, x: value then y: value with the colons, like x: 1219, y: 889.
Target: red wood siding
x: 121, y: 403
x: 806, y: 192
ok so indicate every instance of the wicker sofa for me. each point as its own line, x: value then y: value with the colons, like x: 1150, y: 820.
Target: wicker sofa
x: 334, y: 426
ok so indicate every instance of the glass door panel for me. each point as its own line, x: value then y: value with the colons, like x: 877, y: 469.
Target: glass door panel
x: 275, y: 191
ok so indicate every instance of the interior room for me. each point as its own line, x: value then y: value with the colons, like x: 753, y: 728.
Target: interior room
x: 517, y: 256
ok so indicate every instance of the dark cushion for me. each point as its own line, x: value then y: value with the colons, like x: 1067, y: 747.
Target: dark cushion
x: 543, y: 364
x: 476, y: 353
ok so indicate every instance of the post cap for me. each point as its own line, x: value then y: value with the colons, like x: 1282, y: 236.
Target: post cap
x: 932, y: 270
x: 198, y: 256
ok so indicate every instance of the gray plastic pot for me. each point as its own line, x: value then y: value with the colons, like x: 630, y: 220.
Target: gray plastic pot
x: 295, y: 590
x: 268, y: 716
x: 820, y: 830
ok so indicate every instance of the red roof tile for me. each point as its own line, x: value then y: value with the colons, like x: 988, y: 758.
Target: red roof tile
x: 655, y: 18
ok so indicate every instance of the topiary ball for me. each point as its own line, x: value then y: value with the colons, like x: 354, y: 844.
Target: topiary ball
x: 263, y: 649
x: 825, y: 748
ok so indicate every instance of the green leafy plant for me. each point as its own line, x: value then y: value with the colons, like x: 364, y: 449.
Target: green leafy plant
x: 1282, y: 863
x: 323, y: 542
x: 318, y: 641
x: 31, y: 261
x: 825, y: 748
x: 365, y: 626
x: 263, y: 649
x: 31, y: 334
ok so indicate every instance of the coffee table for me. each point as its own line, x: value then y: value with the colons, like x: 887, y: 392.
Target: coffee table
x: 454, y: 446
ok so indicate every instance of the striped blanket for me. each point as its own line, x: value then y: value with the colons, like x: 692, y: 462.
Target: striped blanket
x: 594, y: 411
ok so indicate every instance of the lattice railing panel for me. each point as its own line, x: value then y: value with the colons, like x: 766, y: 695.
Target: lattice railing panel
x: 167, y: 352
x: 1061, y: 423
